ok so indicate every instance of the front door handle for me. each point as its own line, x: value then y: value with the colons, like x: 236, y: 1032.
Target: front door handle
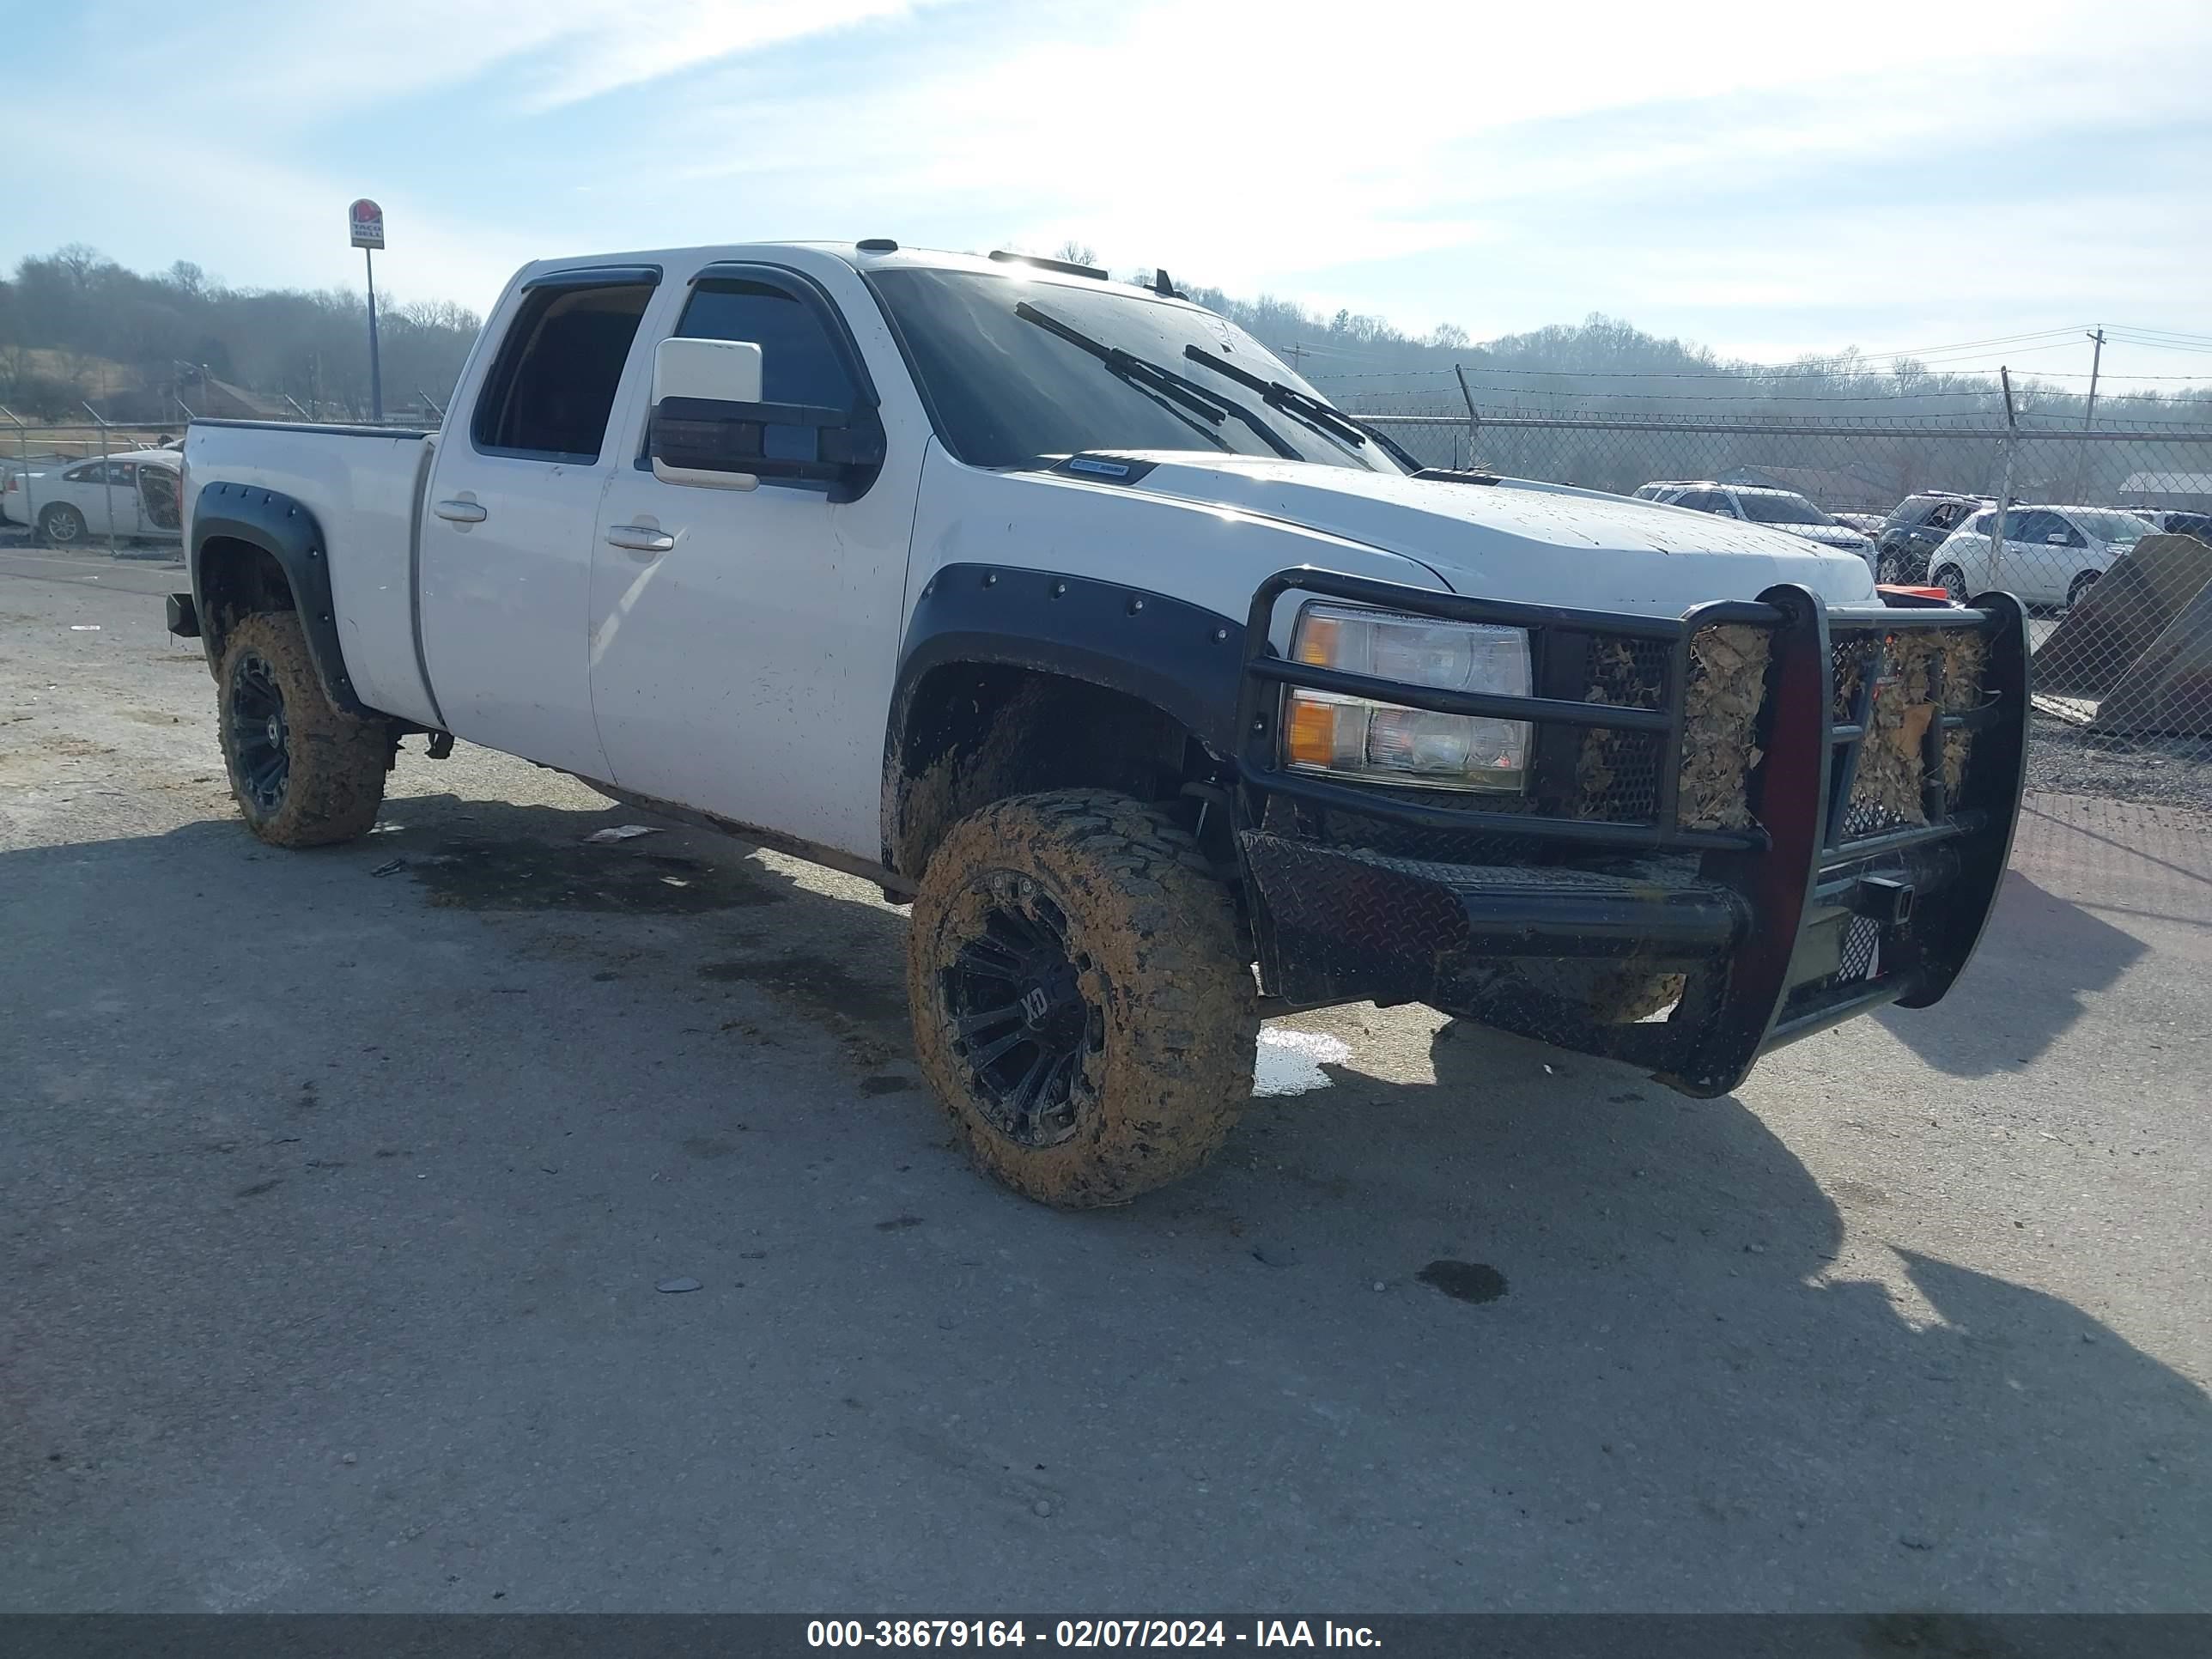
x: 640, y: 538
x: 460, y: 512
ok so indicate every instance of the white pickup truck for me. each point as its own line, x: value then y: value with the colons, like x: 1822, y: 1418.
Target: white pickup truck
x: 1168, y: 695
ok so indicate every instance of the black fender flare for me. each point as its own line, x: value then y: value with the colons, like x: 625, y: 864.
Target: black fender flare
x: 289, y: 533
x: 1183, y: 659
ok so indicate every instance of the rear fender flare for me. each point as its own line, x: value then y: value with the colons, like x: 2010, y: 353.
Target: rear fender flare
x: 289, y: 533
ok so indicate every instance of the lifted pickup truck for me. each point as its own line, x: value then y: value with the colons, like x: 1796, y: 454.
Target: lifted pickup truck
x: 1168, y: 694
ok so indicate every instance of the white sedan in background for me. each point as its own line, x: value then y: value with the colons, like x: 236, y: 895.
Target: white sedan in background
x: 137, y: 495
x: 2051, y: 555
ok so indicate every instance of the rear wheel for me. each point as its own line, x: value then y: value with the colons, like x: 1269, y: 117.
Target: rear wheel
x: 2083, y: 584
x: 62, y: 525
x: 1082, y: 1002
x: 303, y: 773
x: 1952, y: 581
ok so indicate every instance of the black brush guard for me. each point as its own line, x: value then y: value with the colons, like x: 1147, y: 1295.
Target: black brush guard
x: 1779, y: 930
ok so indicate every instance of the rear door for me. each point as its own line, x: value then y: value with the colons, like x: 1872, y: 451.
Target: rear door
x: 2037, y: 568
x: 513, y: 499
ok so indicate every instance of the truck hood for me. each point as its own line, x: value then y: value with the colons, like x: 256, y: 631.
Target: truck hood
x: 1515, y: 539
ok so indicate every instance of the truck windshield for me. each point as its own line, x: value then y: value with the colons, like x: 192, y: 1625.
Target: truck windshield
x: 1009, y: 392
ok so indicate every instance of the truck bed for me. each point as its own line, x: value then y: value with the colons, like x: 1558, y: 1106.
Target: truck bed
x: 364, y: 485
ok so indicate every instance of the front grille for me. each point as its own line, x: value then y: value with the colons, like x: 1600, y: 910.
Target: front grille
x: 1617, y: 773
x: 1918, y: 674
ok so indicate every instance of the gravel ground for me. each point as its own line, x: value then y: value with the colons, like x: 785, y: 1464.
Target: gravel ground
x: 336, y: 1187
x: 2064, y: 758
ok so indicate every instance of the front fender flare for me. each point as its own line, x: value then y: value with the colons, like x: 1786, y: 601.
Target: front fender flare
x: 1181, y: 659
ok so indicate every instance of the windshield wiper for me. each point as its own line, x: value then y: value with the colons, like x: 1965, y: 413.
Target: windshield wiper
x: 1165, y: 382
x: 1326, y: 417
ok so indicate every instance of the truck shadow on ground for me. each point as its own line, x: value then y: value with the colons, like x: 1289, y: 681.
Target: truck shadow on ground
x: 2040, y: 956
x: 1691, y: 1387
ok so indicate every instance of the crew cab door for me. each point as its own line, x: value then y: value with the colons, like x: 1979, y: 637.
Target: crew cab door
x: 507, y: 529
x: 744, y: 640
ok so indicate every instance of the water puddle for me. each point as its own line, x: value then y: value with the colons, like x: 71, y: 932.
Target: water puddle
x: 530, y: 875
x: 1464, y: 1281
x: 1290, y: 1063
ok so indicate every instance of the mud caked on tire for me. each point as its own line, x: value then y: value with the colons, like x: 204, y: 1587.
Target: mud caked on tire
x: 303, y: 773
x: 1082, y: 1002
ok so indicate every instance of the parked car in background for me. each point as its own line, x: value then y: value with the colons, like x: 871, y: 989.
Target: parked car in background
x: 2175, y: 521
x: 1660, y: 489
x: 1783, y: 509
x: 1916, y: 528
x: 135, y: 496
x: 2051, y: 555
x: 1868, y: 524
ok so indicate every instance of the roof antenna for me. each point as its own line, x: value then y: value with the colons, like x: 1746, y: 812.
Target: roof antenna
x: 1165, y: 288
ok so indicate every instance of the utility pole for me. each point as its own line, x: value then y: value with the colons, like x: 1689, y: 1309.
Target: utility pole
x: 1297, y: 353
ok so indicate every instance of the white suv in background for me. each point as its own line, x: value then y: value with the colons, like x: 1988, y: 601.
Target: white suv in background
x: 1781, y: 509
x: 2052, y: 554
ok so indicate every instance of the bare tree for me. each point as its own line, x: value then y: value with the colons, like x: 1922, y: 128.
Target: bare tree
x: 1076, y: 252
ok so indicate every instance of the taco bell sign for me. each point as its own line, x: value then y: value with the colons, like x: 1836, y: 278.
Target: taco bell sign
x: 367, y: 220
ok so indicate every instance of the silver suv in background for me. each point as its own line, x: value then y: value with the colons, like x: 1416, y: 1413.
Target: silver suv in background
x: 1781, y: 509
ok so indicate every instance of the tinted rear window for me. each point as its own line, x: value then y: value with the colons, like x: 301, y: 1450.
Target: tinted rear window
x: 553, y: 387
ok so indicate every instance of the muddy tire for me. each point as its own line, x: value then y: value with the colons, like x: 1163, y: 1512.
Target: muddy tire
x: 303, y: 774
x: 1082, y: 1002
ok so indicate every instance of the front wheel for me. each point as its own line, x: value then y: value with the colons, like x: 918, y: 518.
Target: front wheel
x: 304, y: 774
x: 1082, y: 1002
x: 2080, y: 590
x: 1952, y: 581
x: 62, y: 525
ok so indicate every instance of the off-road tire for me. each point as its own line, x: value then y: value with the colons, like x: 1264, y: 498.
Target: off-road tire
x: 1165, y: 1063
x: 1952, y: 580
x: 334, y: 780
x: 62, y: 525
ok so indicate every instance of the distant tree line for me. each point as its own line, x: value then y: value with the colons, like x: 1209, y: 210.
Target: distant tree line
x: 65, y: 317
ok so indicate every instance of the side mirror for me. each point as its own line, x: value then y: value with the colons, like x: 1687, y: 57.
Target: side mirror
x: 710, y: 428
x: 695, y: 384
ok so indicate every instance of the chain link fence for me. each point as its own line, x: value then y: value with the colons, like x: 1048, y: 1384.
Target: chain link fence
x: 2106, y: 533
x: 96, y: 482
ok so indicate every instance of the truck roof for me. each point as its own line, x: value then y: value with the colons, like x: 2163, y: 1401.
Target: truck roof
x: 873, y: 254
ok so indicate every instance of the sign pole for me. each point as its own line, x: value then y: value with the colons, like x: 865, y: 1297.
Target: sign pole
x: 365, y: 227
x: 375, y: 368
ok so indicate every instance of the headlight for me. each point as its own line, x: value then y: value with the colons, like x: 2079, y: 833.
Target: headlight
x: 1352, y: 737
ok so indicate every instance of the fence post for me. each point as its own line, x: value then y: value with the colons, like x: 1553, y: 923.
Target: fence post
x: 106, y: 489
x: 2004, y: 490
x: 1473, y: 419
x: 23, y: 455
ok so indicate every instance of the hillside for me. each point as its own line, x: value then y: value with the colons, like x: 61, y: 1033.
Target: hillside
x: 75, y: 327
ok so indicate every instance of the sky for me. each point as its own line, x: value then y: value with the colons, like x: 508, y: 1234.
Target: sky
x: 1770, y: 180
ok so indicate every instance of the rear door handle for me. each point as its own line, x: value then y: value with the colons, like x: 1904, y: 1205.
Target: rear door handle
x: 640, y: 538
x: 460, y: 512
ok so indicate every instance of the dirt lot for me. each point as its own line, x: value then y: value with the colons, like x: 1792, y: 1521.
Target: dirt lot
x: 334, y: 1202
